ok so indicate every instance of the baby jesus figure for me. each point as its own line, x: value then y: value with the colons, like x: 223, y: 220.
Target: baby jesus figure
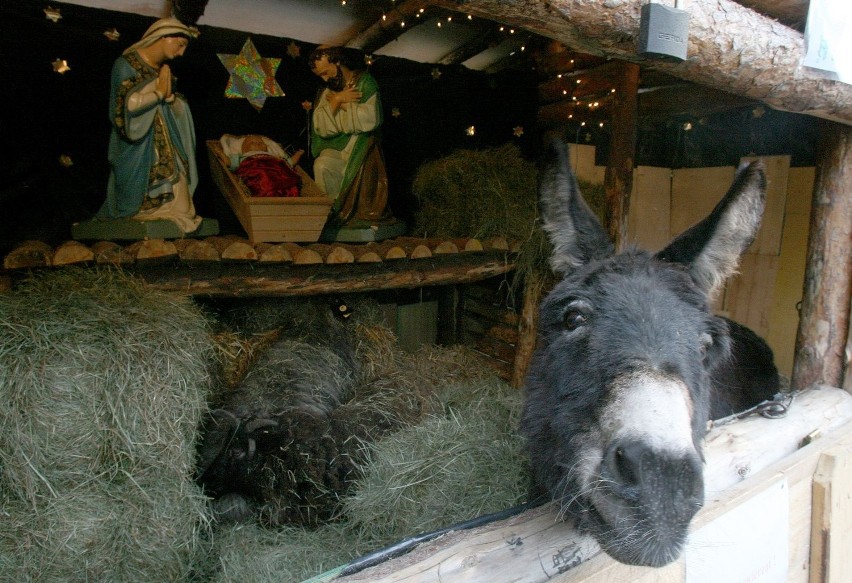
x: 262, y: 164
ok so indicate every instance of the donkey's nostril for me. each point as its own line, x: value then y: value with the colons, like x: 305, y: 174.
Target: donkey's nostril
x: 627, y: 465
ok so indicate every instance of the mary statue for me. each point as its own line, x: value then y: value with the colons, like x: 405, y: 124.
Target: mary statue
x: 152, y: 145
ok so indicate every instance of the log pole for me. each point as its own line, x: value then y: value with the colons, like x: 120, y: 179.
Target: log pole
x: 618, y: 179
x: 824, y: 319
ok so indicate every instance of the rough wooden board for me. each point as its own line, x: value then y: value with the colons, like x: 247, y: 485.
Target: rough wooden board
x: 695, y: 191
x: 748, y: 297
x: 800, y: 190
x: 649, y: 219
x: 784, y: 318
x: 582, y: 159
x: 831, y: 537
x: 768, y: 240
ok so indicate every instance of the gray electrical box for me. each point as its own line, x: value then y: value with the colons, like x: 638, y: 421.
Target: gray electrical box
x: 663, y: 32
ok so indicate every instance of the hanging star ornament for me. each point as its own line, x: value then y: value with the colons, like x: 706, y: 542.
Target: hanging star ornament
x: 518, y: 131
x: 395, y: 112
x: 52, y: 14
x: 307, y: 105
x: 252, y: 77
x: 294, y: 50
x: 60, y: 66
x: 112, y: 34
x: 436, y: 73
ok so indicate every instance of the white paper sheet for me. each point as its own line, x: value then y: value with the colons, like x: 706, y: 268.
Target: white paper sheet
x: 828, y: 38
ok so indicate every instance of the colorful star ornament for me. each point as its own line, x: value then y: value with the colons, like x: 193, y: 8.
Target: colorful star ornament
x: 252, y: 77
x: 518, y: 131
x: 307, y: 105
x: 52, y: 14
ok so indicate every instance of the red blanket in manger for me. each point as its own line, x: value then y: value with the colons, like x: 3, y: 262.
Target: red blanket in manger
x: 268, y: 176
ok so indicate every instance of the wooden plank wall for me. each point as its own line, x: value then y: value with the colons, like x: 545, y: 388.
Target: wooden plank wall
x: 766, y: 292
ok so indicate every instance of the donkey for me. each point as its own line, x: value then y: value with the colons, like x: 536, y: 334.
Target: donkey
x: 621, y: 387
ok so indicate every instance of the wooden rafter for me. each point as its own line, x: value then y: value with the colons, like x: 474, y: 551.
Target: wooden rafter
x: 731, y: 47
x: 390, y: 26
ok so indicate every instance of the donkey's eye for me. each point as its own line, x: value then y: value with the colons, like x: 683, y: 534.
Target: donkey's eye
x: 574, y: 319
x: 705, y: 343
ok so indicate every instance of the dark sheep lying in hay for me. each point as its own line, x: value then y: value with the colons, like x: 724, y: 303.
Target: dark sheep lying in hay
x: 631, y: 364
x: 283, y: 445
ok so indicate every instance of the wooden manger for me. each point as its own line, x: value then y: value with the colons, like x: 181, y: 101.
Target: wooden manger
x: 776, y: 509
x: 271, y: 219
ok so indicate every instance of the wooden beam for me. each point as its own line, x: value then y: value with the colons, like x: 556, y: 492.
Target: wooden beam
x: 249, y: 280
x: 485, y: 40
x: 390, y: 26
x: 824, y: 318
x: 730, y: 47
x: 618, y: 179
x: 793, y: 13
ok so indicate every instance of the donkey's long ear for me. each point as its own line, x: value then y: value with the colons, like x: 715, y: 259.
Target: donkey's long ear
x: 573, y: 229
x: 712, y: 248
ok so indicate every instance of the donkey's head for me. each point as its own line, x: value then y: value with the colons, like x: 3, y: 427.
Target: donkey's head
x: 618, y: 394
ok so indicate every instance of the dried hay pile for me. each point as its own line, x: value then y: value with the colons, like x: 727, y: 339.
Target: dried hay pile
x: 102, y: 385
x: 489, y: 193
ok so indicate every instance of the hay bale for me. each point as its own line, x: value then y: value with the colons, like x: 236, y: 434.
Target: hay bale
x: 445, y: 470
x: 103, y: 384
x: 248, y: 552
x: 489, y: 193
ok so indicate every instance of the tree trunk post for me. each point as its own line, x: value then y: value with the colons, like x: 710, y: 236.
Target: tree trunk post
x: 618, y: 179
x: 824, y: 318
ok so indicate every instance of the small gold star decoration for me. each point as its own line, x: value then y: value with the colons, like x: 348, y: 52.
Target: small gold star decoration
x: 368, y: 60
x: 518, y: 131
x: 112, y: 34
x: 60, y: 66
x: 52, y: 14
x: 395, y: 112
x: 307, y: 105
x: 252, y: 77
x: 294, y: 50
x: 66, y: 161
x: 470, y: 131
x: 436, y: 73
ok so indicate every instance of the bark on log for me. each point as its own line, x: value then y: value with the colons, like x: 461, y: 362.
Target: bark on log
x: 527, y: 329
x: 824, y: 318
x: 731, y: 47
x: 618, y: 179
x: 320, y: 279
